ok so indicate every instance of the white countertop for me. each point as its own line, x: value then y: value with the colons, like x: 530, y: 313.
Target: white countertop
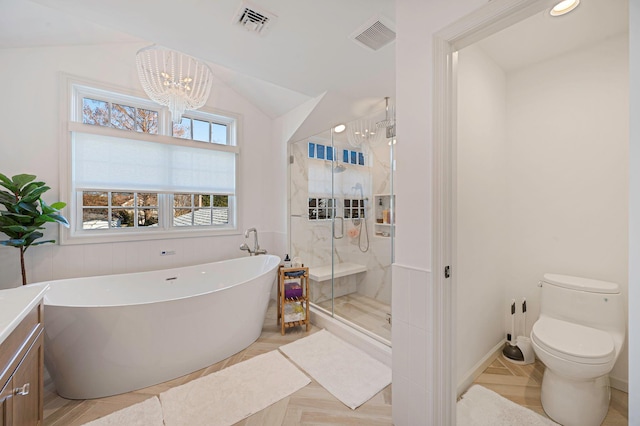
x: 323, y: 273
x: 16, y: 303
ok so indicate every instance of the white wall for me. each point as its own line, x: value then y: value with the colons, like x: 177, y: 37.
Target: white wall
x: 568, y: 176
x: 29, y: 122
x: 634, y: 214
x: 412, y: 302
x: 482, y: 208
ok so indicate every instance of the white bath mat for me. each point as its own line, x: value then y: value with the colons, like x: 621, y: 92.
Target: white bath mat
x: 348, y: 373
x: 230, y: 395
x: 145, y: 413
x: 480, y: 406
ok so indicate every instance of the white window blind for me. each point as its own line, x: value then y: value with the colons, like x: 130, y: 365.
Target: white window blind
x: 107, y: 163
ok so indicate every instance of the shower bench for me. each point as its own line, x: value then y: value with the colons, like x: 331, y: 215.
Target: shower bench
x: 323, y: 273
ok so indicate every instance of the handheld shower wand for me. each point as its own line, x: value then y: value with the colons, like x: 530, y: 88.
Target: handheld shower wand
x: 359, y: 222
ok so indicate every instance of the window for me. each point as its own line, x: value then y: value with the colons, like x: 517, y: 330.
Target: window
x: 201, y: 130
x: 322, y: 208
x: 354, y: 208
x: 119, y: 116
x: 104, y: 210
x: 132, y: 171
x: 200, y: 209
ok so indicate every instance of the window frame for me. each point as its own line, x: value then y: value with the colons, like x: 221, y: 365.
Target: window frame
x: 71, y: 99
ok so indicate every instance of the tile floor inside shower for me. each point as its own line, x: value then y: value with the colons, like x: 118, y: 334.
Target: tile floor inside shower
x: 363, y: 311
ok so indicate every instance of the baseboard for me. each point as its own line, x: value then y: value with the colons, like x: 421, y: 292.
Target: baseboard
x: 620, y: 384
x: 464, y: 384
x: 480, y: 366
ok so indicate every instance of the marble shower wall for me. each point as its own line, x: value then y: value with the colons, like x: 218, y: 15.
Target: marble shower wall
x: 311, y: 240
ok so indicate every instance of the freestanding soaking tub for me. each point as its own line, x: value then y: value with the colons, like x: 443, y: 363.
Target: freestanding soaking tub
x: 112, y: 334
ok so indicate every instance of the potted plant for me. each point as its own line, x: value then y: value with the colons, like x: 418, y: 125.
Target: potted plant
x: 26, y: 214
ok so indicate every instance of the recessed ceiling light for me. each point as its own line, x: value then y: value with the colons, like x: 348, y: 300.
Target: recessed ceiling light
x: 564, y: 7
x: 339, y: 128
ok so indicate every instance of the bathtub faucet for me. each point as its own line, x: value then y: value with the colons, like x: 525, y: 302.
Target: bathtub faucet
x: 256, y: 247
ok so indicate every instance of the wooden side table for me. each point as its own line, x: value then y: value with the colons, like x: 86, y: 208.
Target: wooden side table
x: 297, y: 299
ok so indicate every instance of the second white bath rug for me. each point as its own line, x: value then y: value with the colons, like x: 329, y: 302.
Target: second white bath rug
x: 232, y: 394
x: 145, y: 413
x: 480, y: 406
x: 347, y: 372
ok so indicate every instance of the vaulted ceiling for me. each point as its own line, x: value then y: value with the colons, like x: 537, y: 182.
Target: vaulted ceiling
x: 306, y: 50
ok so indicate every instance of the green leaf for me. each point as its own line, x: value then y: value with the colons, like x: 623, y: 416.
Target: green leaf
x: 31, y: 208
x: 14, y: 228
x: 7, y: 221
x: 60, y: 219
x: 12, y: 235
x: 21, y: 218
x: 58, y: 206
x: 32, y: 237
x: 7, y: 198
x: 21, y: 180
x: 5, y: 179
x: 7, y: 183
x: 14, y: 242
x: 55, y: 218
x: 30, y: 187
x: 43, y: 242
x: 35, y: 194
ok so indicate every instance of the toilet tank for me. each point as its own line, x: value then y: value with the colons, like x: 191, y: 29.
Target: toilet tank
x: 597, y: 304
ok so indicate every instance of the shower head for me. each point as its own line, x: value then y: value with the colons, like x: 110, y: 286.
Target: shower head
x: 358, y: 187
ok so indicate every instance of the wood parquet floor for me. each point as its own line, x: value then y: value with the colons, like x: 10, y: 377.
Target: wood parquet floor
x: 311, y: 405
x: 522, y: 383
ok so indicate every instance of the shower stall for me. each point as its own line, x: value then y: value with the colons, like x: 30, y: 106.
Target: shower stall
x: 341, y: 221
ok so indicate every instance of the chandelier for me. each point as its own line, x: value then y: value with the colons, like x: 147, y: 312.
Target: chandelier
x: 173, y: 79
x: 363, y: 133
x: 389, y: 122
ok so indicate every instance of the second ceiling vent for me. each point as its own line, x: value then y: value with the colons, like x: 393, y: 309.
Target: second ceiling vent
x: 375, y: 33
x: 254, y: 19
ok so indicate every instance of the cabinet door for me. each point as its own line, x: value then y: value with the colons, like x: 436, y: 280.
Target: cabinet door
x: 5, y: 403
x: 28, y: 384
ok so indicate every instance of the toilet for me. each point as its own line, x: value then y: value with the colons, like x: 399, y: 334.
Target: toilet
x: 578, y: 337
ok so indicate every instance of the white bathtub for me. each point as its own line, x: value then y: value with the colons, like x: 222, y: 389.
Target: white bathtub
x: 113, y: 334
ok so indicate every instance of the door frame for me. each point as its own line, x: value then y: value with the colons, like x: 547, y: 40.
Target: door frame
x: 489, y: 19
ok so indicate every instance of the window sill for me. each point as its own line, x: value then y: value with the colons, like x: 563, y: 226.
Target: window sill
x: 96, y: 237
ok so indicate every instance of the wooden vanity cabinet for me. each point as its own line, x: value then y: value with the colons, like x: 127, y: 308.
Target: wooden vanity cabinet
x: 22, y: 373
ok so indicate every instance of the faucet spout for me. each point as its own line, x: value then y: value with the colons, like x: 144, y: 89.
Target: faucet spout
x: 256, y: 246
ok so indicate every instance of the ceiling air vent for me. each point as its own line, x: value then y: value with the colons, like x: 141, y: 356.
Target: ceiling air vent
x: 253, y: 19
x: 374, y: 34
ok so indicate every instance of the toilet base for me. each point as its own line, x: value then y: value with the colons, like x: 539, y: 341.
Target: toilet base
x: 575, y: 402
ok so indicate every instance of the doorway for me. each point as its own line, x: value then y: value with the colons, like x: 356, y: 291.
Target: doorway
x: 498, y: 16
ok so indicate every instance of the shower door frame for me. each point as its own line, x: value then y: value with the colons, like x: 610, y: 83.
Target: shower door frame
x: 381, y: 344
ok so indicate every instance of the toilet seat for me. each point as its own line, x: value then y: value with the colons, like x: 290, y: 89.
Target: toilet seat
x: 573, y: 342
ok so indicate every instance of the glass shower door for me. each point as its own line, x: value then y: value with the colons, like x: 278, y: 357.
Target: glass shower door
x: 337, y: 192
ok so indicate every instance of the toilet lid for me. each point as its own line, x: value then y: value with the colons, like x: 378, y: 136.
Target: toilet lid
x: 573, y: 342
